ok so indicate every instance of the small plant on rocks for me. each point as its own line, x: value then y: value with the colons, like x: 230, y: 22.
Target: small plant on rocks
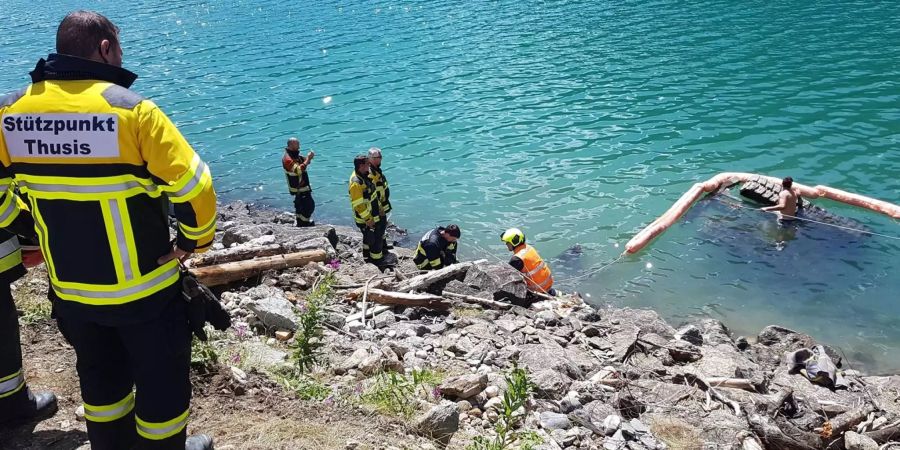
x: 303, y: 385
x: 204, y: 355
x: 518, y: 389
x: 398, y: 394
x: 308, y: 337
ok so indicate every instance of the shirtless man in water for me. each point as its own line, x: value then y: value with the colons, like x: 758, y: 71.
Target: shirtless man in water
x: 787, y: 201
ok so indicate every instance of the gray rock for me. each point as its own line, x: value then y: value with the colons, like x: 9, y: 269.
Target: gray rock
x: 550, y: 384
x: 457, y: 345
x: 436, y: 328
x: 611, y: 424
x: 588, y: 314
x: 638, y: 426
x: 381, y: 359
x: 548, y: 355
x: 439, y: 423
x: 351, y: 362
x: 569, y: 403
x: 615, y: 442
x: 384, y: 319
x: 465, y: 386
x: 548, y: 317
x: 690, y: 333
x: 684, y: 352
x: 501, y: 279
x: 591, y: 331
x: 856, y: 441
x: 272, y: 308
x: 262, y: 356
x: 555, y: 421
x: 242, y: 234
x: 774, y: 334
x: 742, y: 343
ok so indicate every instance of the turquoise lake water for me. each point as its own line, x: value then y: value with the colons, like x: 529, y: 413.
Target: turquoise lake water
x: 579, y: 121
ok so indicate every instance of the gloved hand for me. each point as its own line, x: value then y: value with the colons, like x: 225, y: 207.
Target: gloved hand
x: 203, y: 307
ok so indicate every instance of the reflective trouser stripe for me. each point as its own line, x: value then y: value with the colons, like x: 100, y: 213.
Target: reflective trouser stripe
x: 11, y: 384
x: 109, y: 413
x: 9, y: 209
x: 435, y: 262
x: 303, y: 218
x: 422, y: 265
x: 375, y: 255
x: 162, y: 430
x: 10, y: 254
x: 304, y: 189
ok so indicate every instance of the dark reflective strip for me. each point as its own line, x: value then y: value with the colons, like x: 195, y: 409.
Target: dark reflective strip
x: 93, y: 189
x: 9, y: 246
x: 13, y: 383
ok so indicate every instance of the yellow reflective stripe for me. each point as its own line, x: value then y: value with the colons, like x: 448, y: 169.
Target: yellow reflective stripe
x: 303, y: 218
x: 9, y: 210
x: 87, y: 188
x: 435, y: 262
x: 422, y: 264
x: 291, y: 174
x: 11, y: 384
x: 41, y: 229
x: 304, y: 189
x: 116, y: 237
x: 117, y: 294
x: 109, y: 413
x: 128, y: 235
x: 375, y: 255
x: 190, y: 180
x: 198, y: 232
x: 11, y: 259
x: 162, y: 430
x: 357, y: 202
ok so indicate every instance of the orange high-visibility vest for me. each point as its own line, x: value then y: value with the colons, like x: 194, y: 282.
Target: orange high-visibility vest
x: 537, y: 273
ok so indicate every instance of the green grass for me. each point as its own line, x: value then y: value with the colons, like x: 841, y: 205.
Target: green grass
x: 307, y: 344
x: 398, y: 395
x: 518, y: 389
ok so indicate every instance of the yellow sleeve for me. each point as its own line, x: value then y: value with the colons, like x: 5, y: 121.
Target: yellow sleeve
x: 10, y: 204
x: 358, y: 202
x: 181, y: 174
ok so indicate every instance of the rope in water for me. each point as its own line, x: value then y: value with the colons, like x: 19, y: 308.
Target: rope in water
x: 810, y: 220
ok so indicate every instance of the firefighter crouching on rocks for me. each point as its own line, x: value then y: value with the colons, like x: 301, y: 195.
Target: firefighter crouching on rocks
x: 366, y: 213
x: 526, y: 259
x: 295, y: 166
x: 98, y: 164
x: 437, y: 248
x: 17, y: 402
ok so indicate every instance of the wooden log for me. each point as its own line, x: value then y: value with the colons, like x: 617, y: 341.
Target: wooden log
x: 235, y: 254
x: 357, y: 293
x: 478, y: 300
x: 421, y: 282
x: 886, y: 434
x: 407, y: 299
x: 225, y: 273
x: 848, y: 420
x: 732, y: 383
x: 698, y: 381
x: 773, y: 438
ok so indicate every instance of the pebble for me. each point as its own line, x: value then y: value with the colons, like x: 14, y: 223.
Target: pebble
x: 271, y: 341
x: 283, y: 335
x: 79, y: 413
x: 492, y: 391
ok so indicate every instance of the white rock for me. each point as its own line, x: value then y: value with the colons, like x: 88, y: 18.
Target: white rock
x: 492, y: 391
x: 238, y: 375
x: 79, y: 413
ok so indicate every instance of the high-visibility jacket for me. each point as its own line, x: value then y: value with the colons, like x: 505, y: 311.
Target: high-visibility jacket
x: 433, y: 251
x: 536, y: 272
x: 98, y: 163
x: 363, y: 199
x: 295, y: 171
x: 382, y: 188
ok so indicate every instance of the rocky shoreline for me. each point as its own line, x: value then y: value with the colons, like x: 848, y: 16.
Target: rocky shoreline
x: 466, y: 359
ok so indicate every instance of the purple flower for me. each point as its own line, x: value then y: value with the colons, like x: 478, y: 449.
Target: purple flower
x: 436, y: 393
x: 303, y: 307
x: 240, y: 331
x: 334, y: 264
x: 329, y: 401
x: 236, y: 358
x: 358, y: 388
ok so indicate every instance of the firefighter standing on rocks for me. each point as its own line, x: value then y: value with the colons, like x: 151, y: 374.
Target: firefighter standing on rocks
x: 295, y: 169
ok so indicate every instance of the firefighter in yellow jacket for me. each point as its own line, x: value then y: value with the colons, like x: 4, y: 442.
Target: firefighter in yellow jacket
x: 526, y: 259
x: 366, y: 211
x: 382, y: 189
x: 99, y: 163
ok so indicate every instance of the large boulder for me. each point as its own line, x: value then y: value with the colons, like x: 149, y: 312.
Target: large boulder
x: 272, y: 308
x: 439, y: 423
x: 465, y: 386
x: 503, y: 281
x: 548, y: 355
x: 550, y: 384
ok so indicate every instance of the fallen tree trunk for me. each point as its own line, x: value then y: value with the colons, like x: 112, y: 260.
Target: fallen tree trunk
x: 420, y: 282
x: 406, y: 299
x: 225, y: 273
x: 848, y: 420
x: 234, y: 254
x: 478, y: 300
x: 886, y: 434
x: 775, y: 439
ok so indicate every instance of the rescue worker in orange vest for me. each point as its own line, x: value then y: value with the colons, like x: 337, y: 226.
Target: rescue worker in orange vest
x: 17, y: 402
x: 295, y: 166
x: 526, y: 259
x: 99, y: 164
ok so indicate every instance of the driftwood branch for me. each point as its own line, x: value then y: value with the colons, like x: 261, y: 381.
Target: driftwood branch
x: 784, y: 398
x: 420, y: 282
x: 732, y: 383
x: 406, y: 299
x: 481, y: 301
x: 773, y: 438
x: 698, y: 381
x: 225, y: 273
x: 848, y: 420
x: 235, y: 254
